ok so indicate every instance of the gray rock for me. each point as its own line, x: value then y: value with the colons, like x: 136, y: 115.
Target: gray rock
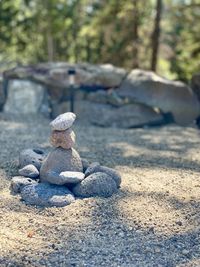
x: 24, y: 96
x: 71, y: 177
x: 96, y: 167
x: 47, y: 195
x: 19, y: 182
x: 174, y: 97
x: 31, y: 156
x: 85, y: 163
x: 60, y: 160
x: 63, y: 121
x: 29, y: 171
x: 91, y: 168
x: 127, y: 116
x: 96, y: 184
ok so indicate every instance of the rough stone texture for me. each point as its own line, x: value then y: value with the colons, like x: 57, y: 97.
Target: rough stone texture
x: 72, y: 177
x: 195, y: 84
x: 29, y: 171
x: 60, y: 160
x: 47, y: 195
x: 24, y: 97
x: 97, y: 184
x: 31, y: 156
x: 65, y: 139
x: 19, y: 182
x: 63, y: 121
x: 95, y: 167
x: 170, y: 96
x: 127, y: 116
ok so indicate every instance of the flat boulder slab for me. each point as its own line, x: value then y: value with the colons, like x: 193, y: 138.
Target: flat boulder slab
x: 128, y: 116
x: 47, y: 195
x: 65, y: 139
x: 169, y: 96
x: 60, y: 160
x: 19, y: 182
x: 24, y: 97
x: 97, y: 184
x: 63, y: 121
x: 29, y: 171
x: 96, y: 167
x: 31, y: 156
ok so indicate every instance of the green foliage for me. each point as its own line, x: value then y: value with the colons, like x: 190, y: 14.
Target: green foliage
x: 101, y: 31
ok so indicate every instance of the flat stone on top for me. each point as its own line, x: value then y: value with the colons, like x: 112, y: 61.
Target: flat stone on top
x: 72, y: 177
x: 63, y: 121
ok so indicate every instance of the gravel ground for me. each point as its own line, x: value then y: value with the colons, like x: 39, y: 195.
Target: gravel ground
x: 152, y: 221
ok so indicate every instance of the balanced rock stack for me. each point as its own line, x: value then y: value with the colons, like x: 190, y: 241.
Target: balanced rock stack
x: 57, y: 178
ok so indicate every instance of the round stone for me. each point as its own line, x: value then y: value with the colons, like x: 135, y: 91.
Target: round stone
x: 96, y: 184
x: 96, y: 167
x: 65, y: 139
x: 29, y: 171
x: 47, y: 195
x: 19, y: 182
x: 60, y: 160
x: 31, y: 156
x: 63, y: 121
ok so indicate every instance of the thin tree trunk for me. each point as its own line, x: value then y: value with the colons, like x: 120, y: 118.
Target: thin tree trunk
x: 156, y: 35
x: 49, y: 35
x: 135, y: 34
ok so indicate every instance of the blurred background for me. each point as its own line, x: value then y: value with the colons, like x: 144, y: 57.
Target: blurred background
x: 159, y: 35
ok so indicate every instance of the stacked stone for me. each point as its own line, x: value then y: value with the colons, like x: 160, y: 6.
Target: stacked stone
x: 56, y: 179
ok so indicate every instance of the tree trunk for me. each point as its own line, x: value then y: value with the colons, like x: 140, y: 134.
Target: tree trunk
x: 156, y: 35
x: 49, y: 35
x: 135, y: 34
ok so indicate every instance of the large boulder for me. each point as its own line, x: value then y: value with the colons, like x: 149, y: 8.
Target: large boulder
x: 60, y: 160
x: 2, y: 94
x: 127, y: 116
x: 24, y: 96
x: 169, y: 96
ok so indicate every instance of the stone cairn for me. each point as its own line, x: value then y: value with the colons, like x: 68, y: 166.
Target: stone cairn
x: 57, y: 178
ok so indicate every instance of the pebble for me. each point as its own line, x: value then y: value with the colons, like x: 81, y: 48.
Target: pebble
x: 29, y: 171
x: 63, y: 121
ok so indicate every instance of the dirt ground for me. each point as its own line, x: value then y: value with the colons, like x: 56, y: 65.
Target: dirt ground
x: 154, y: 220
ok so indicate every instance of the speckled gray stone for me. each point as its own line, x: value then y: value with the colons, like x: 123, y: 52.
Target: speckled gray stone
x: 19, y: 182
x: 96, y: 184
x: 63, y: 121
x: 96, y: 167
x: 47, y: 195
x: 29, y: 171
x: 60, y: 160
x: 31, y: 156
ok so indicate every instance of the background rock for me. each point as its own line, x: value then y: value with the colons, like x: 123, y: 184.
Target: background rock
x: 169, y: 96
x: 24, y: 96
x: 47, y: 195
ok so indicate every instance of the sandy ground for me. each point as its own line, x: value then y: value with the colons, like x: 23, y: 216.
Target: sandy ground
x: 152, y: 221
